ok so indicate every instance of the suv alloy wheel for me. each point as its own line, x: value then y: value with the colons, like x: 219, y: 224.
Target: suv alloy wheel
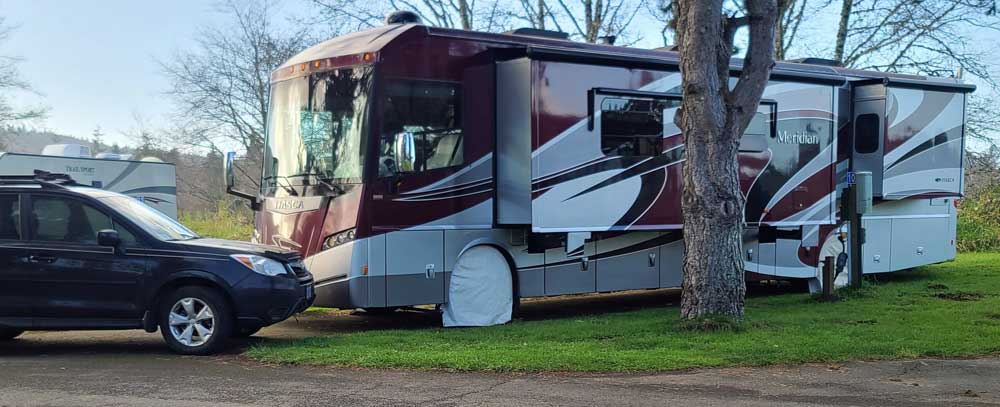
x: 195, y: 320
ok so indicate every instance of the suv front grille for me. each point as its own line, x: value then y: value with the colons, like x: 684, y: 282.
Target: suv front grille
x: 301, y: 274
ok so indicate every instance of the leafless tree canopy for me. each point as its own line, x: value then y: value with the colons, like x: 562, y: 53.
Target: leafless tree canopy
x: 10, y: 80
x: 488, y: 15
x: 221, y: 87
x: 585, y: 20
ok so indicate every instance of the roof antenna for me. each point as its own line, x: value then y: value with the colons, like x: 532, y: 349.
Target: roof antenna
x: 402, y: 17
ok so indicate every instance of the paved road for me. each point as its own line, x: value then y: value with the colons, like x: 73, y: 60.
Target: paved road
x: 131, y: 368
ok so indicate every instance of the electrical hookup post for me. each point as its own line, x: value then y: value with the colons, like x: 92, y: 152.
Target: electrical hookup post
x: 858, y: 202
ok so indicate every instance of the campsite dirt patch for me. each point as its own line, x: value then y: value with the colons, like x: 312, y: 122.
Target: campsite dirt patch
x: 959, y: 295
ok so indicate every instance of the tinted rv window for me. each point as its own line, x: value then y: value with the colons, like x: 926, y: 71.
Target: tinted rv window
x: 866, y: 135
x: 760, y: 128
x: 429, y: 111
x: 633, y: 127
x: 10, y: 217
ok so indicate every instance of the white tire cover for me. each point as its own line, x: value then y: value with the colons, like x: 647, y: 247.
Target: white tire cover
x: 832, y: 247
x: 480, y: 292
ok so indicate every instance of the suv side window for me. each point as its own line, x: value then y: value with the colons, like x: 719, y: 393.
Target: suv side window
x: 128, y: 239
x: 10, y: 217
x: 57, y: 219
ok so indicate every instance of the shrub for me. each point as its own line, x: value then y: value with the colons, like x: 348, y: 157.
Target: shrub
x: 221, y: 223
x: 979, y: 220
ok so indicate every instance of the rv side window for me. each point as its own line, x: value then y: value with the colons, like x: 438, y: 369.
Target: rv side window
x: 761, y: 127
x: 633, y: 127
x: 429, y: 111
x: 10, y: 217
x: 866, y: 134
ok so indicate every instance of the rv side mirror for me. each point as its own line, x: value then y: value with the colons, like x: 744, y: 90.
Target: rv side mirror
x: 228, y: 173
x: 406, y: 152
x: 109, y: 238
x: 228, y: 170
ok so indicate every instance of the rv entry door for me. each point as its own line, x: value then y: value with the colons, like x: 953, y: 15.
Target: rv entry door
x: 868, y: 132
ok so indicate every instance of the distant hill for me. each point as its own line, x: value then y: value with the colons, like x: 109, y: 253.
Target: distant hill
x: 32, y: 141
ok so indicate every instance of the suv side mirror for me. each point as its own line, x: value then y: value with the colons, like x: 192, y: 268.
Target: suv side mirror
x: 406, y: 152
x: 230, y: 177
x: 108, y: 237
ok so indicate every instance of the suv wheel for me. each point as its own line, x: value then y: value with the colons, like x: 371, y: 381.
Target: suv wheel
x: 195, y: 321
x: 7, y: 334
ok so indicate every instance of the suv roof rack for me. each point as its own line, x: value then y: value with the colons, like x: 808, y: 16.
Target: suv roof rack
x: 42, y: 178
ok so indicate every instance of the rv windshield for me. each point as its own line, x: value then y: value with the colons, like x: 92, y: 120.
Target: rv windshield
x: 315, y: 131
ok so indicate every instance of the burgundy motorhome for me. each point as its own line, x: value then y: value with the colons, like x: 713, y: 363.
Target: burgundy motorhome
x: 419, y: 165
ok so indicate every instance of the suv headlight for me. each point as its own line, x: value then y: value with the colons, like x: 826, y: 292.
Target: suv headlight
x: 339, y: 239
x: 261, y: 264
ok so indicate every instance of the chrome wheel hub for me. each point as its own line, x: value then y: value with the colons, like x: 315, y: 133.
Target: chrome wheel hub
x: 192, y: 322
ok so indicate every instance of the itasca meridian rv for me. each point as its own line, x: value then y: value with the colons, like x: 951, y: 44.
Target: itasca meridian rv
x: 419, y: 165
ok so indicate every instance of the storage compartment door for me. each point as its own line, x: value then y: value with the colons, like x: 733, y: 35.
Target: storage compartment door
x: 625, y: 268
x: 922, y: 241
x: 876, y: 251
x: 415, y: 268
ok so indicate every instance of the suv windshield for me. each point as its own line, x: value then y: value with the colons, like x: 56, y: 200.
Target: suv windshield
x: 316, y: 129
x: 151, y: 220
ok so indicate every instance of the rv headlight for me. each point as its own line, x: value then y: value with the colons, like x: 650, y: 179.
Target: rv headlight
x: 261, y: 264
x: 338, y: 239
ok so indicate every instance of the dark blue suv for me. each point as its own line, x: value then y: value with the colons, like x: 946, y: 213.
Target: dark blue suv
x: 75, y: 257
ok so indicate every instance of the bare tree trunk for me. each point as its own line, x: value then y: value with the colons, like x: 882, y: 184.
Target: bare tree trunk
x: 845, y: 19
x: 541, y: 15
x: 713, y: 118
x: 464, y: 14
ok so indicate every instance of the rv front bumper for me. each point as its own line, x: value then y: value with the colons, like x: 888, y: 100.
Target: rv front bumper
x: 343, y: 279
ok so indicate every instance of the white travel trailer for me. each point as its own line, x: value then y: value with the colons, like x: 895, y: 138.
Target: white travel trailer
x: 67, y: 150
x: 154, y: 183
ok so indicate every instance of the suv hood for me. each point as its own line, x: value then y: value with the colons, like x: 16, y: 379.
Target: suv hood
x: 228, y: 247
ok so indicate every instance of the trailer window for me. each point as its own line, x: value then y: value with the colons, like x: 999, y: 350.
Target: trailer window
x: 429, y: 111
x: 632, y: 127
x: 10, y: 217
x: 866, y: 134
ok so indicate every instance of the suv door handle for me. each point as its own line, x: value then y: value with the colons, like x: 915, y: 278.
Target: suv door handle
x: 41, y: 259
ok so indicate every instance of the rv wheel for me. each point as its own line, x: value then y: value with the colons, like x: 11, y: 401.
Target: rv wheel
x: 481, y: 290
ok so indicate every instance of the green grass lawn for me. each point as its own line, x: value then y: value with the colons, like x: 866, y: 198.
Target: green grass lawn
x: 946, y: 310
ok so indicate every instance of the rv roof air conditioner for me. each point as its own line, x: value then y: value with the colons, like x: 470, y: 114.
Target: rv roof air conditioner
x: 535, y: 32
x: 816, y: 61
x: 402, y: 17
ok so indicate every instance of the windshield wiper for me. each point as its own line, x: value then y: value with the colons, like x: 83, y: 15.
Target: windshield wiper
x: 288, y: 187
x: 326, y: 183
